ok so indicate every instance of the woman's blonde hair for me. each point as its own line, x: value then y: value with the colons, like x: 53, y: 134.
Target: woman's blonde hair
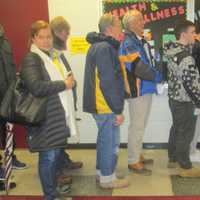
x: 37, y: 26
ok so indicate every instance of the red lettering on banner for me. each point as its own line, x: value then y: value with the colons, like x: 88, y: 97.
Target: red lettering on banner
x: 181, y: 10
x: 127, y: 8
x: 115, y: 13
x: 153, y: 18
x: 121, y: 12
x: 160, y: 14
x: 134, y: 6
x: 174, y: 11
x: 146, y: 19
x: 167, y: 13
x: 142, y: 7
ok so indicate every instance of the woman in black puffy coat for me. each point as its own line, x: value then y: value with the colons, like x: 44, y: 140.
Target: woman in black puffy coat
x: 45, y: 76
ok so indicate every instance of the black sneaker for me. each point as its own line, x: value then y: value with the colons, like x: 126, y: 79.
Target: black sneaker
x: 16, y: 164
x: 11, y: 185
x: 64, y: 189
x: 2, y: 173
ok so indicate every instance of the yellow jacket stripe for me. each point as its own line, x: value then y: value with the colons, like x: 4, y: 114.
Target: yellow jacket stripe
x: 124, y: 59
x: 101, y: 104
x: 129, y: 58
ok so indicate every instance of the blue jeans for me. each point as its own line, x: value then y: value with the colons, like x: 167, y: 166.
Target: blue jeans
x: 108, y: 141
x: 47, y: 171
x: 64, y: 161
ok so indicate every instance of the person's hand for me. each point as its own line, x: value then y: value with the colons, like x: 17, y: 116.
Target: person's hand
x: 69, y: 81
x: 119, y: 120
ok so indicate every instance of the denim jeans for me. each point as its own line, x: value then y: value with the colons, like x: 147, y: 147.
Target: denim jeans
x: 64, y: 161
x: 108, y: 141
x: 47, y: 171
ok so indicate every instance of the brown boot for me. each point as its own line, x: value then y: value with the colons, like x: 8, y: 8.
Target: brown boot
x: 190, y: 173
x: 145, y: 160
x: 63, y: 179
x: 139, y: 169
x: 117, y: 183
x: 75, y: 165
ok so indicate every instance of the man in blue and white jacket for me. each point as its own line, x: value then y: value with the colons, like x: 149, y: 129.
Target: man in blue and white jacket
x: 140, y: 83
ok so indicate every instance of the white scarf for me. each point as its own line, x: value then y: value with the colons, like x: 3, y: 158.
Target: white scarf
x: 66, y: 96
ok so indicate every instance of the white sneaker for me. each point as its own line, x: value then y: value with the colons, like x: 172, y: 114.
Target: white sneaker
x: 117, y: 183
x: 195, y: 157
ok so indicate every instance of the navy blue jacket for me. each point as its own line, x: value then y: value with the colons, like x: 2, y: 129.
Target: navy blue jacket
x: 103, y: 81
x: 131, y: 52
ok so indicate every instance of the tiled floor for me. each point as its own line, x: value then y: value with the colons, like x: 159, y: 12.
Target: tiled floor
x: 158, y: 184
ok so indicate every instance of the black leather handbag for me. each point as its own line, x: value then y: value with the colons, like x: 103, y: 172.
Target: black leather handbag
x: 20, y: 106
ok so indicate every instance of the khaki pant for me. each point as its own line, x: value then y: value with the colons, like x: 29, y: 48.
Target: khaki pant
x: 139, y: 110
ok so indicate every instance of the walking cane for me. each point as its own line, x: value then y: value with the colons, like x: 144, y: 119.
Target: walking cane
x: 8, y: 152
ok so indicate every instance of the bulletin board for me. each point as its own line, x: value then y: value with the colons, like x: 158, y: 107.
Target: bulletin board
x: 160, y: 16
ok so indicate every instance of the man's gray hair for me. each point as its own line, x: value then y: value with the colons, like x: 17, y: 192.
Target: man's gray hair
x: 58, y: 24
x: 106, y: 21
x: 129, y: 17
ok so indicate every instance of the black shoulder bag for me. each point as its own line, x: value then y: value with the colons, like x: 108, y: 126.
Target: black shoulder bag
x: 20, y: 106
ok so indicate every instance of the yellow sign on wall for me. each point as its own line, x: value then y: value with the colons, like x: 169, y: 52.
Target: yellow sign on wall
x: 78, y: 45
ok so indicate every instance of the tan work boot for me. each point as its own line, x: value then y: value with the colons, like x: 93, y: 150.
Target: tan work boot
x: 139, y: 168
x: 117, y: 183
x: 63, y: 179
x: 190, y: 173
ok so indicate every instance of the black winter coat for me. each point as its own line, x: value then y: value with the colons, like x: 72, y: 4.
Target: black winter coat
x: 7, y: 66
x: 53, y: 132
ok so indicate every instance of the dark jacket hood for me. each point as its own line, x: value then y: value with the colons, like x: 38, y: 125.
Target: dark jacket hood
x: 94, y: 37
x: 171, y: 49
